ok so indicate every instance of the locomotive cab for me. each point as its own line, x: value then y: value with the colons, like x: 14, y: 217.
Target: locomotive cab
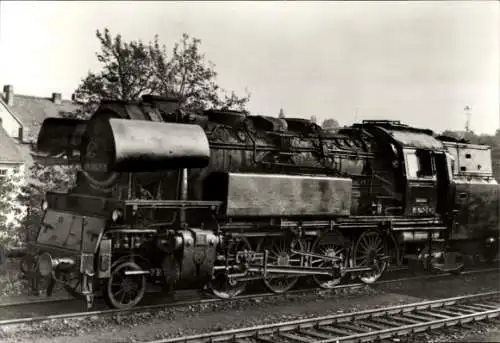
x: 421, y: 181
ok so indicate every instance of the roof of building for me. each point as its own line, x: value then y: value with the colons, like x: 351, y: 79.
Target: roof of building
x: 9, y: 153
x: 31, y: 111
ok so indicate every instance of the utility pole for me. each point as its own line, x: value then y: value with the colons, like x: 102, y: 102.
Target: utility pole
x: 468, y: 113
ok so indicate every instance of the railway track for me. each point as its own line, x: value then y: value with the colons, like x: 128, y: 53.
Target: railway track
x: 365, y: 326
x: 37, y: 300
x: 139, y: 309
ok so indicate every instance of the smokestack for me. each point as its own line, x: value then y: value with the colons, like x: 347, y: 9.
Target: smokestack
x: 56, y: 98
x: 9, y: 94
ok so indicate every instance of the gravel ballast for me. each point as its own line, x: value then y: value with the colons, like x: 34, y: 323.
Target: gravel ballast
x: 194, y: 319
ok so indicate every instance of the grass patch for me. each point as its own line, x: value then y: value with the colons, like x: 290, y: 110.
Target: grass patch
x: 12, y: 280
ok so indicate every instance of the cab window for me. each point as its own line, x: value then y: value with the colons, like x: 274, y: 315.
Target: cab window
x: 451, y: 163
x: 419, y: 164
x: 411, y: 164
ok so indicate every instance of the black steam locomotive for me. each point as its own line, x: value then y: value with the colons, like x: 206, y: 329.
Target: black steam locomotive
x: 221, y: 198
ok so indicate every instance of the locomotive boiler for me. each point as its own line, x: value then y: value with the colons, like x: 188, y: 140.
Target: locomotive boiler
x: 219, y: 199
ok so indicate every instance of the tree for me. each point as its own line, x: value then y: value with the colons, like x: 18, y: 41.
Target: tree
x: 10, y: 208
x: 330, y: 124
x: 131, y: 69
x: 48, y: 178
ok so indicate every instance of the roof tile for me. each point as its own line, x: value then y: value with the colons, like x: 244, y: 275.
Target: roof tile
x: 32, y: 111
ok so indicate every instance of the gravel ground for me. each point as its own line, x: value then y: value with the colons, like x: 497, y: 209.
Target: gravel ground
x: 202, y: 318
x: 69, y: 304
x: 485, y: 331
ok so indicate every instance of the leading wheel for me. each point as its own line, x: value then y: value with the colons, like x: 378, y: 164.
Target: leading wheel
x: 329, y: 245
x: 125, y: 291
x: 280, y: 254
x: 221, y: 285
x: 369, y: 251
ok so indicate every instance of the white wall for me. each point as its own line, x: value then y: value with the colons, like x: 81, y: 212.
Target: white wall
x: 10, y: 125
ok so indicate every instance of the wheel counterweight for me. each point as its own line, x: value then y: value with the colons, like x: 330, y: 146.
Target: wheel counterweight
x: 331, y: 244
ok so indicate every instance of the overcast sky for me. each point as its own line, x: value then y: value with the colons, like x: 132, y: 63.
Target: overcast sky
x: 418, y: 62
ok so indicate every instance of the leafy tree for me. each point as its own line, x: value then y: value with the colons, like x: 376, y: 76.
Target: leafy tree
x: 452, y: 134
x: 10, y: 208
x: 330, y: 124
x: 131, y: 69
x: 58, y: 178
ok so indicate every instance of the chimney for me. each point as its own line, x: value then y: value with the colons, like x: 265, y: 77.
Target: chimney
x: 9, y: 94
x: 20, y: 134
x: 56, y: 98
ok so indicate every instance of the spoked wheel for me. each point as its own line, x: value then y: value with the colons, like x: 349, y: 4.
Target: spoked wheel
x: 221, y: 285
x: 330, y: 245
x: 280, y: 255
x: 370, y: 248
x: 125, y: 291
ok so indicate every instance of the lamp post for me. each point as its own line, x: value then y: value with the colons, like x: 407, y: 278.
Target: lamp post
x: 468, y: 113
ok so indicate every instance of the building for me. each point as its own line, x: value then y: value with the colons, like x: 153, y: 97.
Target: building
x: 11, y: 168
x: 10, y: 156
x: 22, y: 116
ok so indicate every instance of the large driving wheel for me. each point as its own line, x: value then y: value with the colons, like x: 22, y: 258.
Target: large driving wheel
x: 369, y: 251
x: 330, y: 244
x: 221, y: 285
x: 125, y: 291
x: 280, y: 255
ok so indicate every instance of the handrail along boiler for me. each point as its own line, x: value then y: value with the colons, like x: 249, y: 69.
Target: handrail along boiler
x: 222, y: 198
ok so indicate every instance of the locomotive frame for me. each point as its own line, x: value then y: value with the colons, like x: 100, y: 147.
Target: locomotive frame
x: 291, y: 200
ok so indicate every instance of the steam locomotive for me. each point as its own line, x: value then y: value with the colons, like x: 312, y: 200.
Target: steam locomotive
x: 220, y: 199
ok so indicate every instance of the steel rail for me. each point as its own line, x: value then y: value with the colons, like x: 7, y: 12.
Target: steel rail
x: 140, y: 309
x: 364, y: 326
x: 68, y: 298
